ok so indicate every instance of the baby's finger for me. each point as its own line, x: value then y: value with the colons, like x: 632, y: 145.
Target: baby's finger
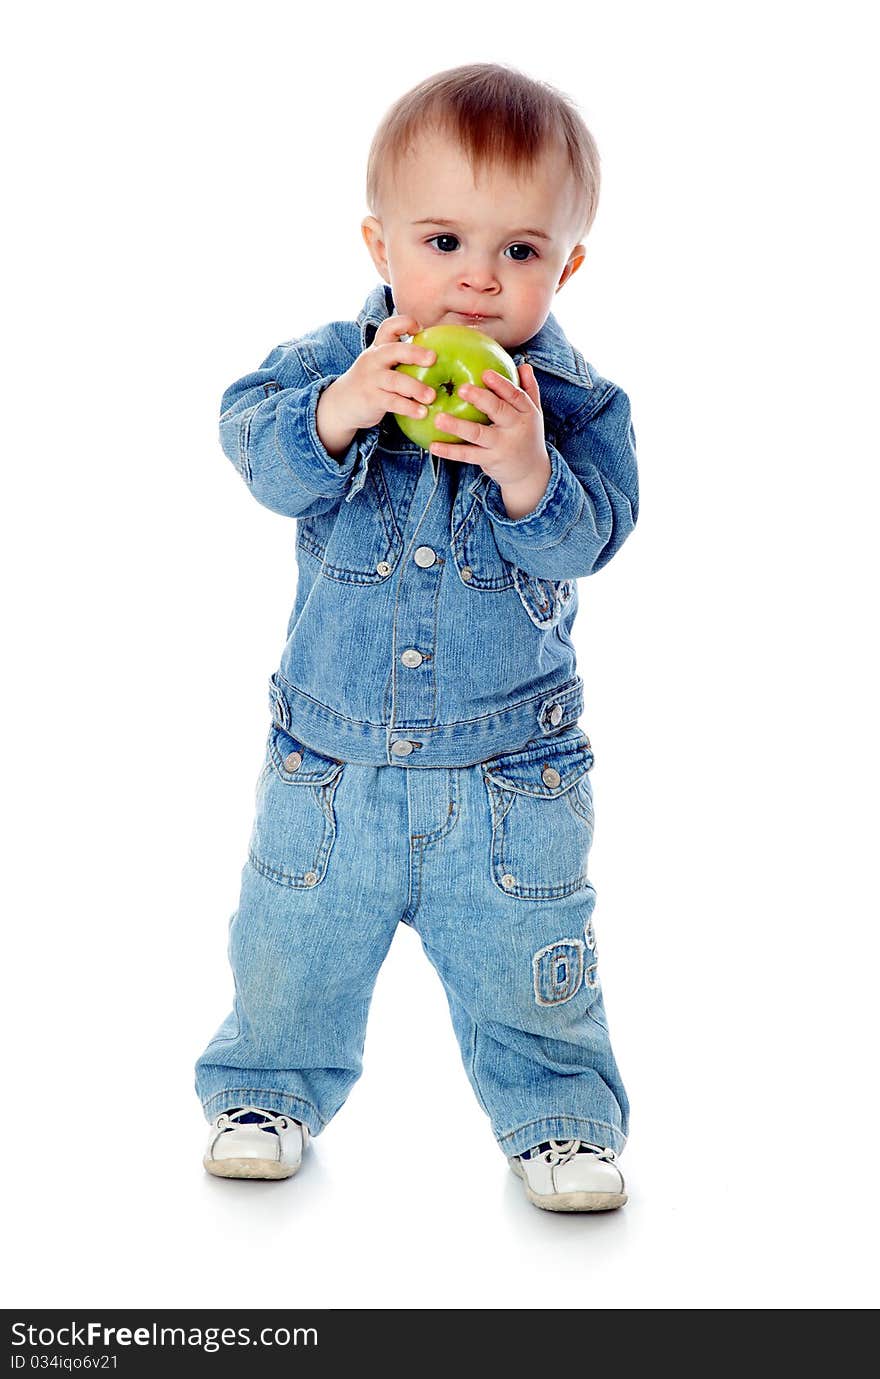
x: 506, y: 390
x: 400, y: 353
x: 403, y: 406
x: 406, y: 386
x: 530, y: 383
x: 487, y: 402
x: 394, y: 327
x: 472, y: 431
x: 464, y: 454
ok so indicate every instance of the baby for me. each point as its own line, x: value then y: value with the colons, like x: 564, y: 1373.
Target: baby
x: 424, y: 763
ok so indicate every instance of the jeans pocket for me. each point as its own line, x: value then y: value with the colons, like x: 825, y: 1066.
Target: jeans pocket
x: 541, y: 809
x: 295, y: 824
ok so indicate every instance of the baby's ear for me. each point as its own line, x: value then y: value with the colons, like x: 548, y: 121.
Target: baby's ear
x: 374, y: 238
x: 575, y: 259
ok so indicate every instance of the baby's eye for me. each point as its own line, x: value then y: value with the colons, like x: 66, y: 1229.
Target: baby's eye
x: 452, y: 237
x: 529, y: 251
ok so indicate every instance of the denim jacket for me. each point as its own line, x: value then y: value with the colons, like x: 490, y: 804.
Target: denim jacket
x: 429, y: 628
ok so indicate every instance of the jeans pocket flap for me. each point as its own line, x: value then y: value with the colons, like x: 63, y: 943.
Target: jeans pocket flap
x: 547, y: 768
x: 298, y: 764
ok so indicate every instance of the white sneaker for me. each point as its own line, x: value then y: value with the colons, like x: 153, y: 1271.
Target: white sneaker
x: 571, y: 1175
x: 241, y: 1147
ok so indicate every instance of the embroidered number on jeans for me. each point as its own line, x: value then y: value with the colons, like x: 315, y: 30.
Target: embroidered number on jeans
x: 558, y: 971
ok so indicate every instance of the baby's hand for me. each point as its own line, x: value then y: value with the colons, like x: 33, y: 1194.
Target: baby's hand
x: 372, y: 386
x: 512, y: 450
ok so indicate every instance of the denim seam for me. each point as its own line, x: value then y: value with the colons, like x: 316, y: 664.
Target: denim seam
x: 600, y: 1024
x: 339, y: 573
x: 305, y: 360
x: 564, y: 1115
x: 306, y: 542
x: 437, y: 640
x: 583, y: 813
x: 385, y: 504
x: 430, y: 660
x: 580, y: 418
x: 476, y: 1080
x: 569, y: 689
x: 452, y: 818
x: 263, y: 1091
x: 557, y: 792
x: 467, y: 517
x: 540, y: 892
x: 244, y: 440
x: 415, y: 871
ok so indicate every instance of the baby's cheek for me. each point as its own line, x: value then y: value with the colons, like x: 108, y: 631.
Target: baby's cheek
x: 532, y: 302
x: 539, y: 291
x: 426, y: 292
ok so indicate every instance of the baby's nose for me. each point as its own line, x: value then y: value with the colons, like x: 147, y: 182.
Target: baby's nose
x: 479, y: 277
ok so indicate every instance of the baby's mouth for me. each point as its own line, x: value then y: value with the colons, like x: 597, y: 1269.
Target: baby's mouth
x: 472, y: 318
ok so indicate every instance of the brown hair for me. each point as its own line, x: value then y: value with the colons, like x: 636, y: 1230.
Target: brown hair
x: 499, y: 116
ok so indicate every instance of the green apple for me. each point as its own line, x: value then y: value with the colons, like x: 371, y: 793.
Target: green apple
x: 463, y: 353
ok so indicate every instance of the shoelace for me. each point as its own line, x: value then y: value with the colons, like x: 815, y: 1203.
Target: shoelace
x: 245, y: 1115
x: 560, y: 1151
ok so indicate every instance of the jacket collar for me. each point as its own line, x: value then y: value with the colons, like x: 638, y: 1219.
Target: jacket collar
x: 548, y: 349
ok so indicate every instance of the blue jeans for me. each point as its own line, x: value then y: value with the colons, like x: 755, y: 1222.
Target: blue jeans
x: 488, y: 863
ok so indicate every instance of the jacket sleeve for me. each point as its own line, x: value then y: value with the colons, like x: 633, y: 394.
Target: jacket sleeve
x: 268, y: 430
x: 589, y: 507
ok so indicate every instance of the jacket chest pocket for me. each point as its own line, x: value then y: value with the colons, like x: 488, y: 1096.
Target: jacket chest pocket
x: 295, y: 824
x: 481, y: 565
x: 360, y: 542
x: 478, y: 561
x: 541, y: 809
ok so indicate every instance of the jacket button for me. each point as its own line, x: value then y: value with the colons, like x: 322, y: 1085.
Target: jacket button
x: 383, y: 568
x: 425, y: 557
x: 310, y: 878
x: 550, y: 776
x: 293, y: 762
x: 412, y: 658
x: 467, y: 572
x: 401, y: 749
x: 556, y: 714
x: 508, y: 881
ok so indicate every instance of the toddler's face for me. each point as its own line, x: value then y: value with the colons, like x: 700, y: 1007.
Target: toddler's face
x: 482, y: 263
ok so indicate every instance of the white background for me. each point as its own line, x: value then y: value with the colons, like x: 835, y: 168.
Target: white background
x: 186, y: 188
